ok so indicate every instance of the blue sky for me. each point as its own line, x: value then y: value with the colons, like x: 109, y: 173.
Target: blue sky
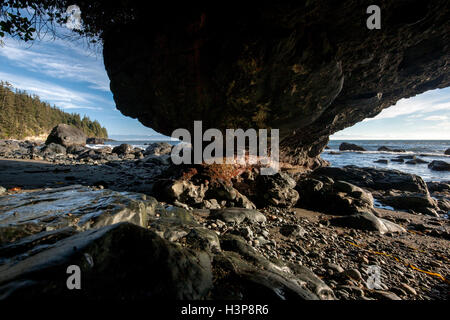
x: 72, y: 77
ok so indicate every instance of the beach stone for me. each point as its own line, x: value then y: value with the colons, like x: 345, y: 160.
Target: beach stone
x: 119, y: 252
x: 352, y: 273
x: 384, y: 295
x: 335, y: 267
x: 263, y: 276
x: 439, y: 165
x: 292, y: 230
x: 238, y: 215
x: 408, y: 289
x: 83, y: 208
x: 66, y: 136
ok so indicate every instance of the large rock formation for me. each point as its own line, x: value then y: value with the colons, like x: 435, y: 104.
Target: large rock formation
x: 309, y: 68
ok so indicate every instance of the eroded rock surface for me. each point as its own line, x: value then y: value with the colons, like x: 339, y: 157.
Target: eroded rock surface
x: 310, y: 68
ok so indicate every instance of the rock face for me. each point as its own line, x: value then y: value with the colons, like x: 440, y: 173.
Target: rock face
x: 309, y: 68
x: 66, y: 136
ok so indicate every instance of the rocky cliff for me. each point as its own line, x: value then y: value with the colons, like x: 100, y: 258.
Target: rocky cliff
x: 309, y: 68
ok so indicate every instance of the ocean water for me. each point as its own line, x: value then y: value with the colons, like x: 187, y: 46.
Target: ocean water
x: 427, y: 150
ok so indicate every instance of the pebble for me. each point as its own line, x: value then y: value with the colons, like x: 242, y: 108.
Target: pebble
x: 408, y: 289
x: 353, y: 273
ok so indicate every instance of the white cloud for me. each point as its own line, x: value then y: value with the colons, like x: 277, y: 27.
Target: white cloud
x: 60, y: 96
x: 58, y: 59
x: 436, y: 118
x: 417, y: 106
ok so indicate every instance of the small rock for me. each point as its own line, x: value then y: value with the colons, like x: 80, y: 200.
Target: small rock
x: 408, y: 289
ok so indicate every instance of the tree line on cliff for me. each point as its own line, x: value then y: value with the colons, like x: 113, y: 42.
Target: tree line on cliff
x: 23, y: 115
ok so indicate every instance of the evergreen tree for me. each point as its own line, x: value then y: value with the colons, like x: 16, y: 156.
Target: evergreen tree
x: 23, y: 115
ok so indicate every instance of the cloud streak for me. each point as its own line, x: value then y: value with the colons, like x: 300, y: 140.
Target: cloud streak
x: 416, y: 107
x: 59, y: 60
x: 62, y: 97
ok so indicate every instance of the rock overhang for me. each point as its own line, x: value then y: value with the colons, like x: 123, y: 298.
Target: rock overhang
x: 307, y: 68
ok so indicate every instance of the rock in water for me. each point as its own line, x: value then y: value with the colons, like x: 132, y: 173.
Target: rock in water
x: 383, y: 148
x: 439, y: 165
x: 447, y: 152
x: 350, y: 147
x: 66, y: 136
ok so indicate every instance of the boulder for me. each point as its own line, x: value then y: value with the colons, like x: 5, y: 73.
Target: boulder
x: 438, y: 186
x: 383, y: 161
x: 328, y: 196
x: 94, y: 140
x: 123, y: 149
x: 276, y: 190
x: 115, y: 265
x: 53, y: 148
x: 447, y: 152
x: 366, y: 221
x: 376, y: 179
x: 439, y: 165
x: 66, y: 136
x: 415, y: 201
x: 158, y: 149
x: 350, y: 147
